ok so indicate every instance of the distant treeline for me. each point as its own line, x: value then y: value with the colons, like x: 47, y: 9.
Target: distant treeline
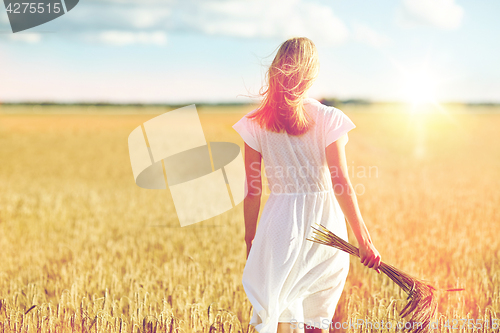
x: 357, y: 101
x: 482, y: 104
x: 101, y: 104
x: 337, y: 102
x: 326, y: 101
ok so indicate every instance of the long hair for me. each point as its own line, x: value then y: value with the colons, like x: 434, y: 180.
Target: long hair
x: 291, y: 74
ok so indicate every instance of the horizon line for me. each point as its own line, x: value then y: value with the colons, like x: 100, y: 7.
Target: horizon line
x: 326, y: 101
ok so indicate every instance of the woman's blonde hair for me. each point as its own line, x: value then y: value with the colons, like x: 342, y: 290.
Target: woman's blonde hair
x: 291, y: 74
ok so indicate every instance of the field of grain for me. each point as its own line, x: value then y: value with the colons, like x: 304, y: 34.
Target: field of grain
x: 84, y: 249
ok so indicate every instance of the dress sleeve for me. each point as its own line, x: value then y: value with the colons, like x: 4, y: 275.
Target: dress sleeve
x: 246, y: 129
x: 337, y: 125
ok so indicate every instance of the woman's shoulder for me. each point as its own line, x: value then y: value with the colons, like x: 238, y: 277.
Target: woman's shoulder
x: 311, y: 101
x: 322, y: 108
x: 315, y: 102
x: 248, y: 121
x: 252, y: 113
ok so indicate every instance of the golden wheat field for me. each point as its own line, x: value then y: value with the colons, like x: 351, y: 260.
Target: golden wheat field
x: 83, y: 249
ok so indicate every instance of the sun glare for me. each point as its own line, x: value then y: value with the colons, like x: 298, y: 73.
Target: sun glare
x: 419, y: 87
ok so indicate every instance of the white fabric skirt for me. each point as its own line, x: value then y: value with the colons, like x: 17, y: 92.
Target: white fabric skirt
x: 288, y: 278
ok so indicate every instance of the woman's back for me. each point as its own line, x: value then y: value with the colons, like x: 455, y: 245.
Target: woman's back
x: 297, y: 164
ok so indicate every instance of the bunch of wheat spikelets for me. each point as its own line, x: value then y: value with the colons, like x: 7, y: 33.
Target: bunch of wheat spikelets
x: 421, y: 306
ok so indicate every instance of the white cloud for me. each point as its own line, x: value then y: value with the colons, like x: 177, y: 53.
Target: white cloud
x: 4, y: 18
x: 323, y: 24
x: 135, y: 2
x: 31, y: 38
x: 146, y: 17
x: 367, y: 35
x: 117, y: 16
x: 122, y: 22
x: 261, y: 18
x: 235, y: 18
x: 443, y: 14
x: 121, y: 38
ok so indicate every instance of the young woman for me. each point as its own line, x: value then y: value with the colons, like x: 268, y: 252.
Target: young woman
x: 293, y: 283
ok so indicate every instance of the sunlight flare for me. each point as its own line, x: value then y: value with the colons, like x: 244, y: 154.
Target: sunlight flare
x: 419, y: 87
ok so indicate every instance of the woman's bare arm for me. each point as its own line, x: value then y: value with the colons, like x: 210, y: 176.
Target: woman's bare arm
x: 344, y: 192
x: 251, y: 204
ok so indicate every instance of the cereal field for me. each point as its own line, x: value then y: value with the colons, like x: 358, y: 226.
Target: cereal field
x: 84, y: 249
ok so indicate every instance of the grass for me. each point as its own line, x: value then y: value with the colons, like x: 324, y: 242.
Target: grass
x: 95, y: 253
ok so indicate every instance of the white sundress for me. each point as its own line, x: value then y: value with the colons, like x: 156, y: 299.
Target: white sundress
x: 286, y: 277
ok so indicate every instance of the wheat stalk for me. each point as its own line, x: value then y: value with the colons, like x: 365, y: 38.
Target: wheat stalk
x: 421, y: 305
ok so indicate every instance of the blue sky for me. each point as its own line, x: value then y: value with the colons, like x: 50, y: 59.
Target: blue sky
x: 182, y: 51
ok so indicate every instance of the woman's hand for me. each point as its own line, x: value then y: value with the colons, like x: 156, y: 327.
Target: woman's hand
x: 369, y: 256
